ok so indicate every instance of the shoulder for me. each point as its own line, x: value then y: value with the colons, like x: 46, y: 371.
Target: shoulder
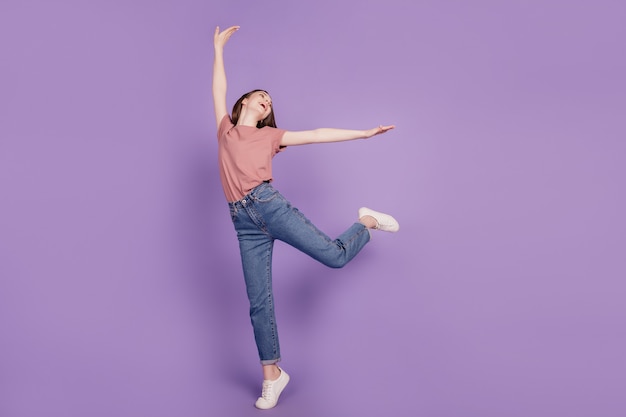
x: 226, y: 121
x: 225, y: 125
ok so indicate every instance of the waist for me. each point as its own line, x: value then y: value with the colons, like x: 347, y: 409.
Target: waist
x: 251, y: 195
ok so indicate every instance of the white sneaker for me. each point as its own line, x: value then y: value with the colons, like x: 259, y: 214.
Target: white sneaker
x: 385, y: 222
x: 271, y: 391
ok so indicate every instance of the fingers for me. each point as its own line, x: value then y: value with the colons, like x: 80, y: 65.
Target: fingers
x: 230, y: 31
x: 235, y: 27
x: 220, y: 38
x: 377, y: 130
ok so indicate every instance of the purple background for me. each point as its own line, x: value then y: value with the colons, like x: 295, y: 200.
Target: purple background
x: 502, y: 295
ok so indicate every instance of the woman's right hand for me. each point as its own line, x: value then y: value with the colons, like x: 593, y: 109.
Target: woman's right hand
x: 220, y: 38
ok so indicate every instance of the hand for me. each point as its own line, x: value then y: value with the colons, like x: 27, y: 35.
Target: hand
x: 378, y: 130
x: 220, y: 38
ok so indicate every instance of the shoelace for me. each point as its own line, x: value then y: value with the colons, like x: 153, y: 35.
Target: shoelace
x: 267, y: 391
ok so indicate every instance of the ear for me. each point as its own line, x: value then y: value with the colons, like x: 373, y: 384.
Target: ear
x: 244, y: 101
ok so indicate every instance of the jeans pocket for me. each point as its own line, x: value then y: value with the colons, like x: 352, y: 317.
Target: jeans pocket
x: 266, y: 195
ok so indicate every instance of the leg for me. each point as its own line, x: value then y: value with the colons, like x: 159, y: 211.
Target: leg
x: 274, y: 215
x: 256, y: 256
x: 256, y: 252
x: 288, y: 224
x: 256, y: 248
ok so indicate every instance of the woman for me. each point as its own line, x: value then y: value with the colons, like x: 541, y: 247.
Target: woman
x: 247, y: 143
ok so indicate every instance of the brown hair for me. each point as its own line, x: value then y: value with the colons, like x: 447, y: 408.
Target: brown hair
x: 268, y: 121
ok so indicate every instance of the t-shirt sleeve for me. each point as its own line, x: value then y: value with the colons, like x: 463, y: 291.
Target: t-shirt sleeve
x: 225, y: 126
x: 277, y: 137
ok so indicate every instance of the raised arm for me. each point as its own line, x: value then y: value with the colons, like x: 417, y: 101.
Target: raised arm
x: 327, y: 135
x: 219, y: 73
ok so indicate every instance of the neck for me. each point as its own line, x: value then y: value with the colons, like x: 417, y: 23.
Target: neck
x: 246, y: 119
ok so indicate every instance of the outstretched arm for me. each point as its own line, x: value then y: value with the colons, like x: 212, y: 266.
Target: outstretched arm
x: 327, y: 135
x: 219, y: 73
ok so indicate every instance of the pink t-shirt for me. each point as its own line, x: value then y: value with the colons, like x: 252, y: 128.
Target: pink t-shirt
x: 245, y: 156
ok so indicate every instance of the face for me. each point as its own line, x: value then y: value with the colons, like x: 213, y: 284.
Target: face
x: 259, y: 101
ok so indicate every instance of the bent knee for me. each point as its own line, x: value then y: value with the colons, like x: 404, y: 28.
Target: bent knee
x: 336, y: 263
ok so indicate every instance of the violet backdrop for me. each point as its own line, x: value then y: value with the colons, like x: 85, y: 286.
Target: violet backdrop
x: 502, y: 295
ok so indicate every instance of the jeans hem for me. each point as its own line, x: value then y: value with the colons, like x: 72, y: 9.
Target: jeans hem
x: 270, y: 362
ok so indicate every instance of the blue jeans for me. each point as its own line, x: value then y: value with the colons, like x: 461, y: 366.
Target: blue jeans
x: 261, y: 217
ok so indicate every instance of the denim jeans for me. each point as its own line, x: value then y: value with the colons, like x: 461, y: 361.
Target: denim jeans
x: 261, y: 217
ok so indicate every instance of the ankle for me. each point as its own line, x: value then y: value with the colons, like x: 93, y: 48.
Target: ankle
x: 271, y: 372
x: 369, y: 222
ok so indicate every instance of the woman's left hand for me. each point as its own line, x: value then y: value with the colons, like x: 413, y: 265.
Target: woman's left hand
x: 378, y: 130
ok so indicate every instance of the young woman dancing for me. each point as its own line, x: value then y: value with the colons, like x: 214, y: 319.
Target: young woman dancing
x: 247, y: 141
